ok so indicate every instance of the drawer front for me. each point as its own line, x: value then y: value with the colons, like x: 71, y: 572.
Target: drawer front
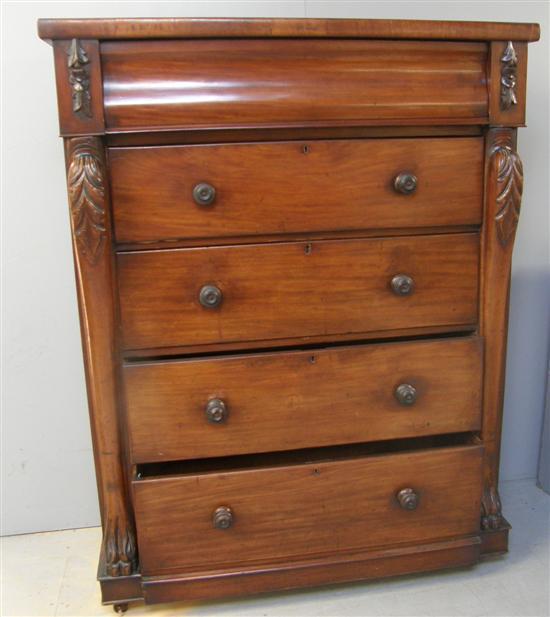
x: 221, y: 83
x: 285, y: 290
x: 306, y: 509
x: 294, y: 187
x: 282, y: 401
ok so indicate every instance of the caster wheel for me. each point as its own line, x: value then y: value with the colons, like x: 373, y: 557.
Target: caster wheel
x: 120, y: 609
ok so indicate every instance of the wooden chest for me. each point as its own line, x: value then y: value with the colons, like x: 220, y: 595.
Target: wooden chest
x: 292, y: 243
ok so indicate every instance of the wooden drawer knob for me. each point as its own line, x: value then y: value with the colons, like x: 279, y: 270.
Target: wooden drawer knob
x: 402, y: 285
x: 405, y: 393
x: 408, y: 499
x: 216, y: 411
x: 405, y: 183
x: 222, y: 518
x: 210, y: 296
x: 204, y: 194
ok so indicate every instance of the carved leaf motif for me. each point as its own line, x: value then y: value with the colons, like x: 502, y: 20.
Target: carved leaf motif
x: 87, y: 195
x: 508, y: 77
x: 79, y: 78
x: 77, y: 55
x: 119, y: 548
x: 491, y: 509
x: 509, y: 172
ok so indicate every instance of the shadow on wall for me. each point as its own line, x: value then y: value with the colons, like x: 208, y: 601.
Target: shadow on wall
x: 543, y: 476
x: 526, y: 372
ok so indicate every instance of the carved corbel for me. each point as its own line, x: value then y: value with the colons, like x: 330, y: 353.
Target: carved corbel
x: 503, y: 191
x: 91, y: 232
x: 86, y: 186
x: 508, y: 176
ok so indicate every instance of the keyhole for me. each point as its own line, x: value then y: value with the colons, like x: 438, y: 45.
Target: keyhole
x: 305, y: 149
x: 308, y: 249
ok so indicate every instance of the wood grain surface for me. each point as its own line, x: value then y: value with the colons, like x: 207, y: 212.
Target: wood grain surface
x: 303, y: 510
x: 292, y: 187
x: 296, y: 289
x: 193, y: 83
x: 287, y: 400
x: 331, y: 569
x: 147, y: 28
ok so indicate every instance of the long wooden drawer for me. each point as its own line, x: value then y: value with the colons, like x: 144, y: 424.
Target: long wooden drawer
x: 289, y: 400
x: 208, y: 519
x: 292, y: 187
x: 247, y: 82
x: 285, y: 290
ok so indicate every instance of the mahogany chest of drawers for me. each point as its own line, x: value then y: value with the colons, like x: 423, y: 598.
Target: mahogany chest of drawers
x: 292, y: 242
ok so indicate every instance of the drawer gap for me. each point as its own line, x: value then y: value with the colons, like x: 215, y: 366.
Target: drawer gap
x: 221, y: 135
x: 304, y: 456
x: 139, y: 359
x: 283, y: 238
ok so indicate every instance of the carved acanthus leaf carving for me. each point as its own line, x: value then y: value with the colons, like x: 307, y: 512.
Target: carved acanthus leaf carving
x: 508, y: 77
x: 119, y: 547
x: 79, y: 78
x: 491, y: 509
x: 86, y: 185
x: 509, y: 179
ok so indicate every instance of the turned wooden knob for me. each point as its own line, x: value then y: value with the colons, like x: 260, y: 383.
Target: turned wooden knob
x: 222, y: 518
x: 210, y: 296
x: 216, y: 411
x: 402, y: 285
x: 204, y: 194
x: 405, y: 183
x: 408, y: 499
x: 405, y: 393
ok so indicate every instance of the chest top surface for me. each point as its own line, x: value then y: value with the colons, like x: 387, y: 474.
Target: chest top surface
x: 170, y: 28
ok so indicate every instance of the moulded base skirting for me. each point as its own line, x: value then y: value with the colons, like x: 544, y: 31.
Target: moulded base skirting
x: 118, y: 589
x: 315, y: 572
x: 333, y: 569
x: 494, y: 542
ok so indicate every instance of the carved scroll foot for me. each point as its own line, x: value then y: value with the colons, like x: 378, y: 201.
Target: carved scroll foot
x: 119, y: 546
x: 491, y: 509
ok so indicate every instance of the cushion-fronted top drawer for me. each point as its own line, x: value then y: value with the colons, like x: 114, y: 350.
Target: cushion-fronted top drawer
x: 253, y: 82
x: 293, y: 187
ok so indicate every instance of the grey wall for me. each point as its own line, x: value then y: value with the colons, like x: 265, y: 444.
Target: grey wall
x: 47, y: 466
x: 543, y: 477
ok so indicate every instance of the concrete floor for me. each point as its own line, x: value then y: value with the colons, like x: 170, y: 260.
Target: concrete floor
x: 54, y: 574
